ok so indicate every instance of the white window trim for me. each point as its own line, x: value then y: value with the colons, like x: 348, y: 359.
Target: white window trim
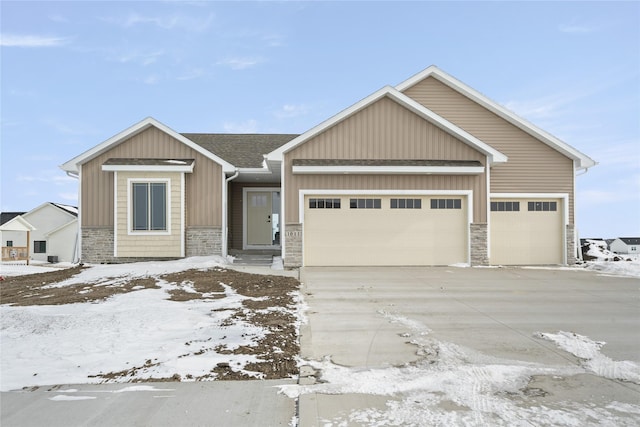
x: 130, y: 231
x: 460, y: 193
x: 563, y: 197
x: 390, y: 170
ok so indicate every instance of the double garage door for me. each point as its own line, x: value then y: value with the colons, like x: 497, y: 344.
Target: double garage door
x: 357, y: 230
x: 527, y: 231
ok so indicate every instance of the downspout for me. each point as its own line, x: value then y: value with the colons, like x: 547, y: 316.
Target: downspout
x: 225, y: 213
x: 76, y: 249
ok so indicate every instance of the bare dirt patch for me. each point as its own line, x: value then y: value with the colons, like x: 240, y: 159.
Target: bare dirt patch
x: 271, y: 306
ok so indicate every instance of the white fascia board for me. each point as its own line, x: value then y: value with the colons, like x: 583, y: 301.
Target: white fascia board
x: 57, y: 229
x: 390, y: 170
x: 72, y: 165
x: 17, y: 223
x: 583, y: 161
x: 410, y: 104
x: 148, y: 168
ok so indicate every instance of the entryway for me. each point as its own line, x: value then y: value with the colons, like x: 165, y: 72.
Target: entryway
x: 261, y: 218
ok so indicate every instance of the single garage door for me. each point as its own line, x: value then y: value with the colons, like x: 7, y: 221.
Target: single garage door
x: 385, y: 230
x: 527, y: 231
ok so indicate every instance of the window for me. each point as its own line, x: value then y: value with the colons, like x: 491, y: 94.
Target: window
x: 406, y: 203
x: 446, y: 203
x: 149, y: 206
x: 9, y: 243
x: 39, y: 246
x: 543, y: 206
x: 324, y: 203
x: 505, y: 206
x: 365, y: 203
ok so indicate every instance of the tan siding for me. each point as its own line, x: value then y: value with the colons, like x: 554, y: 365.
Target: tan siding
x: 203, y: 186
x: 533, y: 167
x: 146, y: 244
x: 384, y: 130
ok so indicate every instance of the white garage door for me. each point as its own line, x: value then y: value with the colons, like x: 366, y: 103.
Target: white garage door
x: 527, y: 231
x: 385, y: 230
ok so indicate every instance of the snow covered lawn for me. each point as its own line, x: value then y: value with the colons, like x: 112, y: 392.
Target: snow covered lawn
x: 176, y: 320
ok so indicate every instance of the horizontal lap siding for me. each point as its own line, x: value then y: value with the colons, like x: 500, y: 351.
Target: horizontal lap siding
x: 149, y: 244
x: 203, y: 186
x: 533, y: 167
x: 384, y: 130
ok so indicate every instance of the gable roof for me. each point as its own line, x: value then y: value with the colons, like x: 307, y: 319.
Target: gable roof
x: 241, y: 150
x: 72, y: 165
x: 8, y: 216
x: 630, y: 240
x: 494, y: 155
x: 582, y: 160
x: 17, y: 223
x: 69, y: 210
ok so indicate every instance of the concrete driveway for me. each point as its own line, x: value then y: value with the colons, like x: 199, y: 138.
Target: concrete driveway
x: 377, y: 318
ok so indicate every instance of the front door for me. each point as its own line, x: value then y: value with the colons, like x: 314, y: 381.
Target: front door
x: 262, y: 218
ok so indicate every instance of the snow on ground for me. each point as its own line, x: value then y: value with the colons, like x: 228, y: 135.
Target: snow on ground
x: 454, y: 385
x: 141, y: 331
x: 21, y: 268
x: 607, y: 262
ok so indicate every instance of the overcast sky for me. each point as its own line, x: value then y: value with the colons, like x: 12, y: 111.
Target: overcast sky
x: 74, y: 74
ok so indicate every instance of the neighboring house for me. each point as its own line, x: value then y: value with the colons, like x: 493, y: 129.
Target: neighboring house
x: 54, y: 235
x: 429, y: 172
x: 626, y: 245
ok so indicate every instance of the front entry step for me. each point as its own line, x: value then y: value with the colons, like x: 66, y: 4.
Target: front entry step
x: 253, y: 259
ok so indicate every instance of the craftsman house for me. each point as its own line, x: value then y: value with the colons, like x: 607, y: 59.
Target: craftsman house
x: 429, y: 172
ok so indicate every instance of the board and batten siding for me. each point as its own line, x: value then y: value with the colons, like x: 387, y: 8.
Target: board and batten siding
x: 203, y: 187
x: 149, y: 244
x: 533, y: 166
x: 384, y: 131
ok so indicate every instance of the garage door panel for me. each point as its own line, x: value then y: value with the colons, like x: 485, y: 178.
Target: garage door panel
x: 385, y: 236
x: 527, y: 237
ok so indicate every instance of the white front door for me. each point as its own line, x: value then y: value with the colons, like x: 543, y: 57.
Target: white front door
x: 262, y: 218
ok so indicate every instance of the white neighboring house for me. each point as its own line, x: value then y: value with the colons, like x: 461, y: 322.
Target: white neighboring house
x: 55, y: 234
x: 626, y: 245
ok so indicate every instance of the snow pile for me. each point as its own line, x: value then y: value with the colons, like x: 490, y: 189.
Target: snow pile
x: 132, y: 336
x: 454, y: 385
x: 599, y: 258
x: 589, y: 352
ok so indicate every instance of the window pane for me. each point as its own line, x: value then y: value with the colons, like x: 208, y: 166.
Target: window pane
x: 377, y: 203
x: 320, y: 203
x: 361, y: 204
x: 369, y: 203
x: 140, y: 206
x: 402, y: 203
x: 434, y: 203
x: 394, y: 203
x: 409, y: 203
x: 353, y: 203
x: 531, y: 206
x: 554, y: 206
x: 158, y: 206
x: 336, y: 203
x: 312, y: 203
x: 449, y: 203
x: 494, y: 206
x: 516, y: 206
x: 457, y: 204
x: 417, y: 203
x: 545, y: 206
x: 508, y: 206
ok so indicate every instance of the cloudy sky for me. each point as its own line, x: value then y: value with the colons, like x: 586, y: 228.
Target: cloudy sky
x: 74, y: 74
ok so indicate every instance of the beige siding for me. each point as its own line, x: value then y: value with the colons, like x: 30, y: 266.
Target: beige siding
x: 384, y: 130
x: 146, y: 244
x: 203, y: 186
x: 533, y: 167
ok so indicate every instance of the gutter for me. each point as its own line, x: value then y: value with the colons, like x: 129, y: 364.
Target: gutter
x: 225, y: 212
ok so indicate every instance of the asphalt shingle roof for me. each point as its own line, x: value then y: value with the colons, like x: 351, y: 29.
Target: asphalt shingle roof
x: 241, y: 150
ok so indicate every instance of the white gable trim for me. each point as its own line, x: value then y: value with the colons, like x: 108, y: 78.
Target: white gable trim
x: 45, y: 204
x: 148, y: 168
x: 390, y: 170
x: 410, y: 104
x: 583, y: 161
x: 17, y: 223
x: 72, y: 165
